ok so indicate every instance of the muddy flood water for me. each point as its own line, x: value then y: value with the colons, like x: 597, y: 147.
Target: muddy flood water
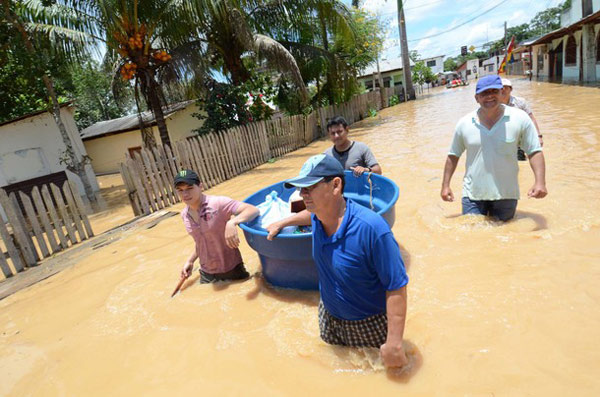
x: 494, y: 309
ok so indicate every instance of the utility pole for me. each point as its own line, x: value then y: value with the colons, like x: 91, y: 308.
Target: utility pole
x: 409, y: 91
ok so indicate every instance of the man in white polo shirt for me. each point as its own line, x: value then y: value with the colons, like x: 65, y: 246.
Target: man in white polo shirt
x: 490, y: 135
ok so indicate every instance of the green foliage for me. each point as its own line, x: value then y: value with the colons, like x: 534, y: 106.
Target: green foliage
x: 94, y: 96
x: 394, y: 100
x: 371, y: 111
x: 224, y: 108
x: 369, y: 34
x: 450, y: 64
x: 421, y: 74
x: 227, y: 105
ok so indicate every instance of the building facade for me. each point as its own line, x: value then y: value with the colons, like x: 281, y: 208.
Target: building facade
x: 106, y: 142
x: 570, y: 54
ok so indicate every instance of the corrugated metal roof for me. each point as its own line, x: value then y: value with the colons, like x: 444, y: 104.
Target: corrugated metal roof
x: 385, y: 66
x: 128, y: 123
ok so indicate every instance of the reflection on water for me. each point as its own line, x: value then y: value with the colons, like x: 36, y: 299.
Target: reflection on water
x: 494, y: 309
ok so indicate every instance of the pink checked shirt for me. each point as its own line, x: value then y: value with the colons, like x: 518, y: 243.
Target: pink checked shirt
x: 209, y: 235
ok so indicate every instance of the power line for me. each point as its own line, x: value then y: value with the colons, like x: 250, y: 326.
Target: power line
x: 461, y: 24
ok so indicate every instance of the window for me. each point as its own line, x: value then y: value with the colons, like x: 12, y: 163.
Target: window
x: 598, y: 48
x: 135, y: 152
x: 431, y: 64
x: 571, y: 51
x: 587, y: 8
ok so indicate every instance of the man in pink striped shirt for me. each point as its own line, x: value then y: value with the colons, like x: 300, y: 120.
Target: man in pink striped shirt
x: 212, y: 222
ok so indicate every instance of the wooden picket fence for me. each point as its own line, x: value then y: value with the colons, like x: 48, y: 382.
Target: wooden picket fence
x: 217, y: 157
x: 41, y: 226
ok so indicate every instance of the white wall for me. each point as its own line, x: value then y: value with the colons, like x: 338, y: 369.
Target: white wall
x: 32, y: 147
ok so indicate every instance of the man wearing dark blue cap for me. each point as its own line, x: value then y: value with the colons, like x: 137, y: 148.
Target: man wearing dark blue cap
x: 490, y: 136
x: 362, y: 279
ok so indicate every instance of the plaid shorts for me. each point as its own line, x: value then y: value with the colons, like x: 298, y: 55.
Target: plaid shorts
x: 368, y: 332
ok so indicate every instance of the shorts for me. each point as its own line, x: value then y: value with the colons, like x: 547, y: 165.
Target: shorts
x: 237, y: 273
x: 503, y: 210
x: 368, y: 332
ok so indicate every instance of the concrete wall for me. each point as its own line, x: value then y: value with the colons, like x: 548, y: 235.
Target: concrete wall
x: 108, y: 151
x: 32, y: 147
x: 182, y: 123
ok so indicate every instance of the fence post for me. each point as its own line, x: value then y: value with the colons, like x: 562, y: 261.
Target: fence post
x: 20, y: 233
x: 13, y: 252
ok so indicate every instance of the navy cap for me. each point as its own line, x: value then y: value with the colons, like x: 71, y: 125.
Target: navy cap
x: 489, y: 82
x: 314, y: 170
x: 186, y: 176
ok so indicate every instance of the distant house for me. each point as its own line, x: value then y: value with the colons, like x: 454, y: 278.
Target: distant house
x: 491, y: 65
x: 31, y: 148
x: 107, y: 142
x: 572, y: 52
x: 391, y: 73
x: 436, y: 64
x: 469, y: 69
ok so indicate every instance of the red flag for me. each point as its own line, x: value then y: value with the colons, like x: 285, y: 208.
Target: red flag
x: 508, y: 55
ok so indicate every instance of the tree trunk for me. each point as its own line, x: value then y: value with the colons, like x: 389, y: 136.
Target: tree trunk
x: 150, y: 89
x: 330, y: 78
x: 147, y: 135
x: 73, y: 164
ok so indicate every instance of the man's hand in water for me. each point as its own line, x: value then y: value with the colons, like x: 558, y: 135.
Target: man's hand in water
x: 393, y: 355
x: 358, y: 170
x: 447, y: 194
x: 231, y: 234
x: 186, y: 271
x: 274, y: 229
x: 537, y: 191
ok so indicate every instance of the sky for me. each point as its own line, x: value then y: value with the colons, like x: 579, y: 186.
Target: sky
x: 429, y: 17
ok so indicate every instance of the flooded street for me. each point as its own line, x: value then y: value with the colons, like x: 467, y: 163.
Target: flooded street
x: 494, y: 309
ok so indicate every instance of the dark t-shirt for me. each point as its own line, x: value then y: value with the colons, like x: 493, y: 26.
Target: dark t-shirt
x: 357, y: 154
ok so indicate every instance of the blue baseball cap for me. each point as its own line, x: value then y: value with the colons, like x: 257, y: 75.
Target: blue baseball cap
x: 314, y: 170
x: 489, y: 82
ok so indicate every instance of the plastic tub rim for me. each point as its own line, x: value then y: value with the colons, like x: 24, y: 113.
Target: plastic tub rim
x: 382, y: 211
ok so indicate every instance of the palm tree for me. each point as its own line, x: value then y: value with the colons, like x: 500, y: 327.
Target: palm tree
x: 17, y: 15
x: 323, y: 29
x: 233, y: 29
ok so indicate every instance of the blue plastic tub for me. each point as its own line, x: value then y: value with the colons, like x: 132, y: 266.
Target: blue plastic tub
x: 287, y: 260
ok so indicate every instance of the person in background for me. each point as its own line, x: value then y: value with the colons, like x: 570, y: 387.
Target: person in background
x: 352, y: 155
x: 519, y: 103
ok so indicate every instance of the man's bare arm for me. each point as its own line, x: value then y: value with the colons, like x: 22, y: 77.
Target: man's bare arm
x: 302, y: 218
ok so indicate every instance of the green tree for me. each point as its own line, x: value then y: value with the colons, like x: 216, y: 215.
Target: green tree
x: 450, y: 64
x: 28, y: 36
x: 93, y: 95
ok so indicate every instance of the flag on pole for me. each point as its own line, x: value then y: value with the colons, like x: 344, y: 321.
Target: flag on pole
x: 508, y: 58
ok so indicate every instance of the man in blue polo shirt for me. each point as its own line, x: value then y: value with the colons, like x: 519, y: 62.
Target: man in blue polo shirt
x: 490, y: 136
x: 362, y: 279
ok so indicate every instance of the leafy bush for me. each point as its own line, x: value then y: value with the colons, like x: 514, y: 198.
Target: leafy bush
x: 394, y: 100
